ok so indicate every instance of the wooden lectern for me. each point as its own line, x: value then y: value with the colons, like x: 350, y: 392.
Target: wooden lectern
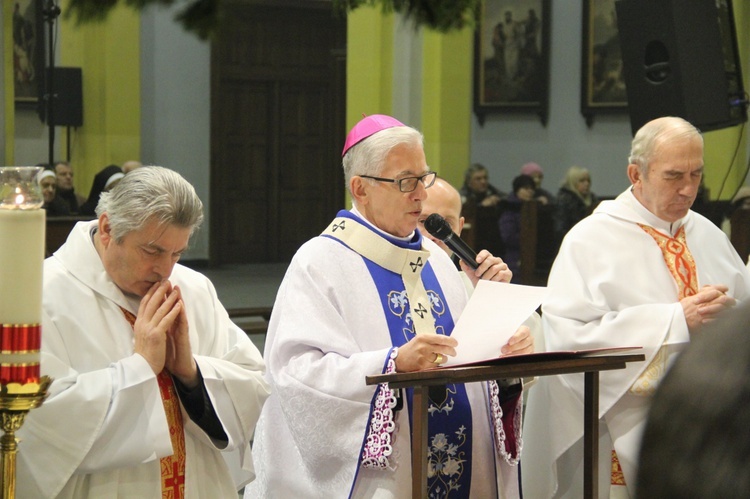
x: 524, y: 366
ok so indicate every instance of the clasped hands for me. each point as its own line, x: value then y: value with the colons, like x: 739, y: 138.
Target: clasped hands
x: 428, y: 350
x: 161, y: 333
x: 705, y: 305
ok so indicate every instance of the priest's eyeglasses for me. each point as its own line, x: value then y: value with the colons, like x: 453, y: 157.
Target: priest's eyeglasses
x: 408, y: 184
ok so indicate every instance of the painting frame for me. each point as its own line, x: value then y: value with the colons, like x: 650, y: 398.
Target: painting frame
x: 512, y: 77
x: 602, y: 77
x: 28, y: 52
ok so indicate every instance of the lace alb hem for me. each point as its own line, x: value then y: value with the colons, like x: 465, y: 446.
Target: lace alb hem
x: 496, y: 417
x: 378, y: 447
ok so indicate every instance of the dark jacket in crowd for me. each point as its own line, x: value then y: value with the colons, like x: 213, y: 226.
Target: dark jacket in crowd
x: 571, y: 209
x: 57, y: 207
x: 70, y: 198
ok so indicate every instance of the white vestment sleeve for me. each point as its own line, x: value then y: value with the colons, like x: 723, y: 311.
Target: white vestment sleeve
x: 121, y: 401
x: 136, y: 408
x: 233, y: 378
x: 321, y: 374
x: 235, y: 396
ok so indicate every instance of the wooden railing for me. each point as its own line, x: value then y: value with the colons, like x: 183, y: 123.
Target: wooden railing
x: 740, y: 221
x: 58, y: 229
x: 539, y: 243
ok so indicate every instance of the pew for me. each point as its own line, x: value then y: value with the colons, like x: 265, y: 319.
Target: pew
x: 481, y: 229
x: 740, y: 221
x: 539, y: 243
x: 58, y: 229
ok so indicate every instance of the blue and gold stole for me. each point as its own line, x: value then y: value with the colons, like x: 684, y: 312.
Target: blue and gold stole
x: 413, y: 303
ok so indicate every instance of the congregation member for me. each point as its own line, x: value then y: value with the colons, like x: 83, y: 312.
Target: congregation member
x: 535, y: 171
x: 481, y: 204
x: 152, y: 382
x: 65, y: 189
x: 645, y: 271
x: 509, y: 223
x: 130, y: 165
x: 53, y: 205
x: 105, y: 180
x: 371, y: 295
x: 575, y: 200
x: 477, y: 188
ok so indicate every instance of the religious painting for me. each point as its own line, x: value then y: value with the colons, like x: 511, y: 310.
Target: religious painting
x: 602, y: 77
x: 511, y: 58
x: 28, y: 50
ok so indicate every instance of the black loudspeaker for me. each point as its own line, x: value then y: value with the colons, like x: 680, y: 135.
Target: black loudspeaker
x: 680, y: 58
x: 68, y: 101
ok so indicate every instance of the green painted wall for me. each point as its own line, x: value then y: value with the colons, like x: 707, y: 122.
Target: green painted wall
x: 447, y: 102
x: 109, y: 54
x: 446, y: 85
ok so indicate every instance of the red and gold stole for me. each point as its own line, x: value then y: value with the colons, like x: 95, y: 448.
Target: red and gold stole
x: 681, y: 265
x: 172, y: 467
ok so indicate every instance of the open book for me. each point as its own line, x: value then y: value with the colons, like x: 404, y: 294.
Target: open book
x: 539, y: 356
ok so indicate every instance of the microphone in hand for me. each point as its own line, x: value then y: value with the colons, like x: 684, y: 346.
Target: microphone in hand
x: 439, y: 228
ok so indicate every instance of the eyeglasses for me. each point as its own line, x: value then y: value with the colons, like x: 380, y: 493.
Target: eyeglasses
x: 408, y: 184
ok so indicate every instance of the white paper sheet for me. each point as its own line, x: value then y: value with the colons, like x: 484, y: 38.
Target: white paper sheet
x: 494, y: 312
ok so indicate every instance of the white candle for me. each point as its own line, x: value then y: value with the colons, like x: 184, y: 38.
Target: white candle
x: 21, y: 260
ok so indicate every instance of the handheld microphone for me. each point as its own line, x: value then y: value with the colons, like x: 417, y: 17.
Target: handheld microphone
x: 438, y: 227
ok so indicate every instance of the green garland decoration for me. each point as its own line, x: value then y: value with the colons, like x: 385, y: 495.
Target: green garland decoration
x: 202, y: 16
x: 440, y: 15
x: 197, y: 16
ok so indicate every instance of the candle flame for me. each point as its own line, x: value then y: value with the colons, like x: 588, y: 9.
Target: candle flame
x: 20, y: 199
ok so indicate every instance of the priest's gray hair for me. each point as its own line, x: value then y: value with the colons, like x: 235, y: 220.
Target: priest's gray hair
x: 151, y: 193
x: 368, y: 156
x: 657, y: 132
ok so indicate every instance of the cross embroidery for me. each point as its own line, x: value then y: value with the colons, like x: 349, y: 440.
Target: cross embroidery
x: 341, y: 226
x: 416, y: 265
x: 177, y: 478
x: 420, y: 311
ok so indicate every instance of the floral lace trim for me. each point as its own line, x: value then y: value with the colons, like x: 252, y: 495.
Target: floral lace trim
x: 378, y: 448
x: 496, y: 417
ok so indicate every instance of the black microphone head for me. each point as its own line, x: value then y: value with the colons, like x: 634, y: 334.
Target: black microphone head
x: 438, y: 227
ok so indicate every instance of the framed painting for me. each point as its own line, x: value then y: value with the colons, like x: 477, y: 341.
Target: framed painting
x: 28, y: 51
x: 511, y: 58
x: 603, y: 83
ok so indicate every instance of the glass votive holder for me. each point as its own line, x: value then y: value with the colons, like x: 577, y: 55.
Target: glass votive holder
x: 19, y: 188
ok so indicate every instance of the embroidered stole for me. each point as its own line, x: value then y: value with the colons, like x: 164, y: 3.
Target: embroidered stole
x: 413, y: 304
x: 172, y: 467
x: 681, y: 265
x: 407, y: 263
